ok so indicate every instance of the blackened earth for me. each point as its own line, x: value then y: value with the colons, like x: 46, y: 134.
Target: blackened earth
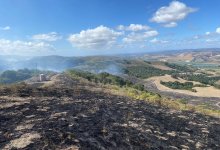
x: 76, y: 118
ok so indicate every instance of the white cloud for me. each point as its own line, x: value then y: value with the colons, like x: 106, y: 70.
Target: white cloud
x: 24, y: 47
x: 121, y: 27
x: 155, y: 40
x: 218, y: 30
x: 170, y: 25
x: 208, y: 36
x: 52, y: 36
x: 170, y: 15
x: 139, y: 37
x: 5, y: 28
x: 98, y: 38
x: 207, y: 33
x: 211, y: 40
x: 133, y: 27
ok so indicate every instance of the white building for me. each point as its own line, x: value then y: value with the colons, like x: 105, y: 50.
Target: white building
x: 42, y: 77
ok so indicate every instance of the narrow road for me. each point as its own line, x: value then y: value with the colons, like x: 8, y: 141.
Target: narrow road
x: 215, y: 102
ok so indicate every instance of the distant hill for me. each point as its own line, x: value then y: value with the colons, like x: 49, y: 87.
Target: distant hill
x: 187, y: 55
x: 112, y: 63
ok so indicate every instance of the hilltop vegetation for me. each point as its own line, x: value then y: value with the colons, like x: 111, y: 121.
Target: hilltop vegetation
x: 104, y: 78
x: 180, y: 68
x: 202, y: 78
x: 178, y: 85
x: 112, y: 65
x: 147, y: 70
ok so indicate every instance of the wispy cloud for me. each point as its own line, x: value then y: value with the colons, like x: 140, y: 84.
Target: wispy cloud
x: 170, y: 25
x: 155, y: 40
x: 133, y: 27
x: 5, y: 28
x: 139, y: 37
x: 208, y: 36
x: 52, y: 36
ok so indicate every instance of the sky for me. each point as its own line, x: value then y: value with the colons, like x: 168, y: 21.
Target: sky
x: 103, y: 27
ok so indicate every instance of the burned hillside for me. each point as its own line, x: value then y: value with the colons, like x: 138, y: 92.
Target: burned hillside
x: 67, y: 114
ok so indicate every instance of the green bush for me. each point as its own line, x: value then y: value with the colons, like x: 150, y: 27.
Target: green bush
x: 145, y: 71
x: 105, y: 78
x: 181, y: 68
x: 139, y: 87
x: 204, y: 79
x: 177, y: 85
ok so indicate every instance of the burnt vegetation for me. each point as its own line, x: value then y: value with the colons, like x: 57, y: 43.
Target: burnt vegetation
x: 65, y: 118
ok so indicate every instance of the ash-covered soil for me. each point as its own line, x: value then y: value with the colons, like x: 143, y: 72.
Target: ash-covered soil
x: 77, y: 118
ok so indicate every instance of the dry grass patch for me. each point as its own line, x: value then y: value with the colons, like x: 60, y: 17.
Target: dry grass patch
x: 155, y: 99
x: 23, y: 141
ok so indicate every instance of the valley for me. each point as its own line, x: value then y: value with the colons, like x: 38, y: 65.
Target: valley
x: 109, y: 75
x: 146, y: 70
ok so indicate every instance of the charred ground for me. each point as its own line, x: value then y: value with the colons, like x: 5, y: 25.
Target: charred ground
x: 67, y: 114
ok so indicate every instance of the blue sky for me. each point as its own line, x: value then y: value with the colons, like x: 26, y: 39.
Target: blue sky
x: 91, y: 27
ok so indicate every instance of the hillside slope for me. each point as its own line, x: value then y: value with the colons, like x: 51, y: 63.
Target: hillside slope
x: 76, y: 116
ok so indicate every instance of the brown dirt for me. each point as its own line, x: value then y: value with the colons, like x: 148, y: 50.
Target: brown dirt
x: 201, y: 91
